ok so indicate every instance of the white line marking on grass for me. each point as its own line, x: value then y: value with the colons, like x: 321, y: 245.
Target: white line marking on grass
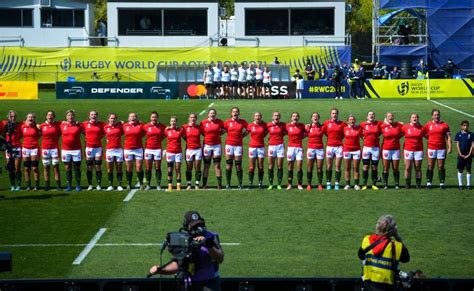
x: 202, y: 112
x: 210, y: 105
x: 130, y: 195
x: 96, y: 245
x: 89, y: 247
x: 453, y: 109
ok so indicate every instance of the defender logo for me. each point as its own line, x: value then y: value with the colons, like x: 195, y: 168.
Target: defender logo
x: 159, y: 90
x: 403, y: 88
x: 74, y: 90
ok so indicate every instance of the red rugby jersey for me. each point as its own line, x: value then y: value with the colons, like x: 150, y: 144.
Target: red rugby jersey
x: 296, y: 134
x: 392, y: 133
x: 71, y: 136
x: 352, y: 136
x: 437, y: 132
x: 15, y: 138
x: 154, y: 135
x: 31, y: 135
x: 113, y: 135
x: 94, y: 132
x: 276, y: 132
x: 133, y: 136
x: 174, y: 136
x: 192, y: 133
x: 371, y: 132
x: 334, y: 132
x: 413, y: 137
x: 50, y: 133
x: 212, y: 130
x: 315, y: 136
x: 258, y: 131
x: 235, y: 129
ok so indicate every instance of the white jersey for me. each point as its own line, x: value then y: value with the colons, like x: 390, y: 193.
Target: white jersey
x: 267, y: 77
x: 225, y: 76
x: 217, y: 74
x: 242, y: 74
x: 208, y: 77
x: 234, y: 74
x: 258, y: 74
x: 250, y: 74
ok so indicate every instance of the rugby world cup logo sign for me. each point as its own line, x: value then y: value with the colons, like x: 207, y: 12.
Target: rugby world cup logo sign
x: 403, y: 88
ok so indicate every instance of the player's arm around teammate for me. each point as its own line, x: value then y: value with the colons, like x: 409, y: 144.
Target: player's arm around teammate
x: 413, y: 149
x: 50, y: 133
x: 212, y: 129
x: 155, y: 132
x: 392, y: 133
x: 30, y: 154
x: 439, y: 144
x: 71, y: 148
x: 93, y: 130
x: 192, y: 135
x: 371, y: 130
x: 351, y: 152
x: 113, y: 151
x: 315, y: 151
x: 174, y: 154
x: 236, y: 128
x: 296, y: 133
x: 276, y: 148
x: 133, y: 149
x: 257, y: 130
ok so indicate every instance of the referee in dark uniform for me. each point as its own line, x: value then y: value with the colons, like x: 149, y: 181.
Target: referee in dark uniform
x: 464, y: 144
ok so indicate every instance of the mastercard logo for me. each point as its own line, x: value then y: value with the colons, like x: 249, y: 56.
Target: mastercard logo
x: 196, y: 90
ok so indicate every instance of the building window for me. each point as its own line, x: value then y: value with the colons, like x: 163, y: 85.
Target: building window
x: 16, y: 17
x: 62, y: 18
x: 312, y: 21
x: 266, y: 22
x: 139, y: 22
x: 185, y: 22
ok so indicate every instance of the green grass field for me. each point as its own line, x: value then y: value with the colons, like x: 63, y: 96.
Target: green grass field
x: 278, y: 233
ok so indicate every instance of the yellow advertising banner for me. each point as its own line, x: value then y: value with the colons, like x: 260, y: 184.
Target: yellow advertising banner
x: 141, y: 64
x: 18, y: 90
x: 439, y: 88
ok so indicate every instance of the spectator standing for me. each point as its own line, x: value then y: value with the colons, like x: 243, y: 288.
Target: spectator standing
x: 309, y: 70
x: 421, y: 70
x: 208, y: 80
x: 337, y: 79
x: 394, y: 74
x: 465, y: 146
x: 449, y: 68
x: 298, y: 80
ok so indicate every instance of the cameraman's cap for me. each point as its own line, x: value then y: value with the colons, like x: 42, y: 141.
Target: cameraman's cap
x: 193, y: 218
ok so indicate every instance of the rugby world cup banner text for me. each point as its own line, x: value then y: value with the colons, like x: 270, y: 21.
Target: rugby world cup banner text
x: 439, y: 88
x: 116, y: 90
x: 18, y: 90
x: 323, y: 89
x: 49, y: 65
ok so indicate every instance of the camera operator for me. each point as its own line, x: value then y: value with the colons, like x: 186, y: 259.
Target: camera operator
x: 205, y: 273
x: 381, y: 253
x: 12, y: 132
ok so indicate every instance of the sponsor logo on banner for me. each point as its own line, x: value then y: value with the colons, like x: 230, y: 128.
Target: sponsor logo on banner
x: 403, y: 88
x: 116, y: 90
x: 277, y: 90
x: 438, y: 88
x: 18, y: 90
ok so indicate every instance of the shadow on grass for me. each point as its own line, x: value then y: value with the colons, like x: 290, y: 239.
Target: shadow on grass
x: 37, y: 197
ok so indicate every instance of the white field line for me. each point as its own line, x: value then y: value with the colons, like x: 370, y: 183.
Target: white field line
x: 96, y: 245
x: 453, y: 109
x: 210, y: 105
x: 202, y: 112
x: 89, y: 247
x: 130, y: 195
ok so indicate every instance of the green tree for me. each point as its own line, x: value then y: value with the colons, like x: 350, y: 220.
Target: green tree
x: 100, y: 10
x: 359, y: 25
x: 229, y: 7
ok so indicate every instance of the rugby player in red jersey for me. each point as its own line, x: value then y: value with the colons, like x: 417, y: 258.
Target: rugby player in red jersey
x: 133, y: 148
x: 174, y: 152
x: 155, y: 132
x: 371, y: 150
x: 257, y: 130
x: 276, y: 148
x: 12, y: 133
x: 333, y: 129
x: 113, y: 131
x: 413, y: 149
x: 212, y: 129
x: 29, y: 151
x: 93, y: 131
x: 71, y: 148
x: 391, y: 132
x: 236, y: 128
x: 296, y: 133
x: 351, y: 152
x: 315, y: 151
x: 192, y: 134
x: 50, y: 132
x: 439, y: 142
